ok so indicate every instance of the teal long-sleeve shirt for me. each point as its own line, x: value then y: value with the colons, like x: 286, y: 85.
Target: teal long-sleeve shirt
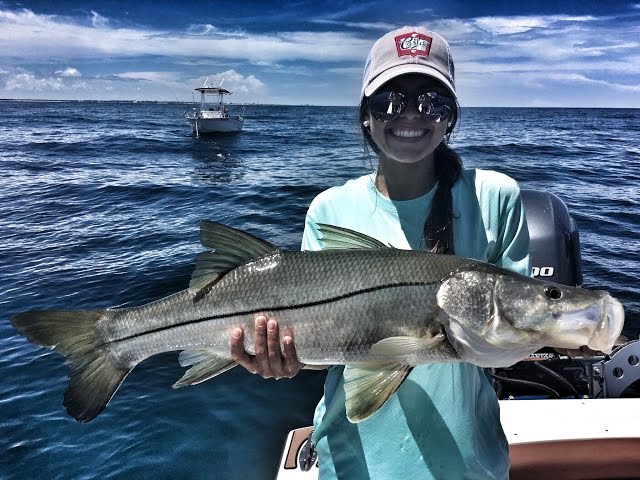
x: 444, y: 421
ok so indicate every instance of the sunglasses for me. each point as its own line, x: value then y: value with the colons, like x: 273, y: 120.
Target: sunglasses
x: 388, y: 104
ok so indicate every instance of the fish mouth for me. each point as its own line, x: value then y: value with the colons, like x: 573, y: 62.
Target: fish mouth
x: 597, y: 326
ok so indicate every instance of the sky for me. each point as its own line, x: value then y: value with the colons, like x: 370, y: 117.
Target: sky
x: 579, y: 53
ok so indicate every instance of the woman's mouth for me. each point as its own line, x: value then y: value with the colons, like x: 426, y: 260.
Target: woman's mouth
x: 406, y: 133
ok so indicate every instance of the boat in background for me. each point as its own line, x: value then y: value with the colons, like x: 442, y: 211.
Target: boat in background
x: 212, y: 116
x: 564, y: 417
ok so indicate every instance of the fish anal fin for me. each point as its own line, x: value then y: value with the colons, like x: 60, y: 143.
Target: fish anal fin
x: 206, y: 364
x: 404, y: 345
x: 368, y: 386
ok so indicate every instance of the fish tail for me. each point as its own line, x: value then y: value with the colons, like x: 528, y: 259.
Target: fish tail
x: 94, y: 375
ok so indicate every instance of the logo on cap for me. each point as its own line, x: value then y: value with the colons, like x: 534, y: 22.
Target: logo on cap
x: 413, y: 44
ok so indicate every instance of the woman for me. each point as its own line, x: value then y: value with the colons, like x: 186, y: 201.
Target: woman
x: 443, y: 422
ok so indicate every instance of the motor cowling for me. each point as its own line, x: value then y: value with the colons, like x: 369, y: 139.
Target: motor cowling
x: 555, y: 242
x: 555, y: 257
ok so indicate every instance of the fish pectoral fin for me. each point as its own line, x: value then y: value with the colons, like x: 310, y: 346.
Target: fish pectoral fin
x: 206, y: 364
x: 399, y: 346
x: 335, y: 238
x: 368, y: 386
x: 232, y: 248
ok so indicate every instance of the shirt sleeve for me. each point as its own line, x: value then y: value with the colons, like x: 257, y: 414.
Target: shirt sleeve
x: 511, y: 250
x: 311, y: 235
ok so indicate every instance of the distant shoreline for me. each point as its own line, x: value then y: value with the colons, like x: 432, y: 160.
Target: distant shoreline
x: 178, y: 102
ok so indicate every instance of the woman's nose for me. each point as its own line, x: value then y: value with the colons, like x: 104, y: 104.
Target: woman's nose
x: 411, y: 110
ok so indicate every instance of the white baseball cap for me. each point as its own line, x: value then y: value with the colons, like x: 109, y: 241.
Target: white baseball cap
x: 408, y: 50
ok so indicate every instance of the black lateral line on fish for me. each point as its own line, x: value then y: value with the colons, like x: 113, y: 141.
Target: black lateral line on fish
x: 271, y: 309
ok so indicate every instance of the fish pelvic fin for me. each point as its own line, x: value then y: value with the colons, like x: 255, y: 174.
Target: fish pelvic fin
x: 206, y: 364
x: 335, y: 238
x: 232, y: 248
x: 94, y: 376
x: 368, y: 386
x: 404, y: 345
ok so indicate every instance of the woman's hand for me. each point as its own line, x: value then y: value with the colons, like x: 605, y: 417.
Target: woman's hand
x: 269, y: 361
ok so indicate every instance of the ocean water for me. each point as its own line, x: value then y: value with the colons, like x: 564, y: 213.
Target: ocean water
x: 99, y: 207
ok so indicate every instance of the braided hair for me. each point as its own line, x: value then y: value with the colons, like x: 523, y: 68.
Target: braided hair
x: 438, y: 226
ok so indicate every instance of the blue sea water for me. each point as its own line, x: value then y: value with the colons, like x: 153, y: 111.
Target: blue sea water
x: 99, y: 207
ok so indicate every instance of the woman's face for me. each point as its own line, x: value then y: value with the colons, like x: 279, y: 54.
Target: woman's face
x: 410, y: 137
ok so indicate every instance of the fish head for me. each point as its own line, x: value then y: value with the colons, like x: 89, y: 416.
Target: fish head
x: 495, y: 317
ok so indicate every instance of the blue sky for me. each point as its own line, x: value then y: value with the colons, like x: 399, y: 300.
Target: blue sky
x: 507, y: 53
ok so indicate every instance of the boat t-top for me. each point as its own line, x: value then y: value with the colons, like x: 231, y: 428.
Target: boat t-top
x: 212, y: 115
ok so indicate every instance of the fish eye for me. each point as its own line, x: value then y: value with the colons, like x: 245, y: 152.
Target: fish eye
x: 554, y: 293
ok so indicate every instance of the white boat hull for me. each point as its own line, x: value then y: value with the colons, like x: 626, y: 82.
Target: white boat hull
x: 216, y: 125
x: 559, y: 439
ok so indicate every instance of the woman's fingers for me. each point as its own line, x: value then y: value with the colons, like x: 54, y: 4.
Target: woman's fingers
x: 273, y: 349
x: 261, y: 358
x: 238, y: 353
x: 291, y: 364
x: 270, y: 360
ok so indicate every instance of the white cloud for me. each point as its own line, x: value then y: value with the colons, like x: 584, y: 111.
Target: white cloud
x: 454, y: 29
x: 507, y: 26
x: 233, y: 81
x: 43, y: 36
x: 31, y: 83
x: 361, y: 25
x: 69, y: 72
x: 521, y: 24
x: 491, y: 53
x: 211, y: 30
x: 165, y: 77
x: 576, y: 78
x: 98, y: 21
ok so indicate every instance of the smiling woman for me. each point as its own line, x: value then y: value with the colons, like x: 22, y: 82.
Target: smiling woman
x: 444, y: 417
x: 409, y: 118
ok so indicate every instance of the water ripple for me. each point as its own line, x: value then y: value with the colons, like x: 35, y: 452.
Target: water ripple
x: 106, y: 214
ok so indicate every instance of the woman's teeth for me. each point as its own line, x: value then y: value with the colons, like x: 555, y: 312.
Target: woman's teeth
x: 408, y: 133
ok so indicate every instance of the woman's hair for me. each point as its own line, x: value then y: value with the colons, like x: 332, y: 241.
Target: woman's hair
x: 438, y: 226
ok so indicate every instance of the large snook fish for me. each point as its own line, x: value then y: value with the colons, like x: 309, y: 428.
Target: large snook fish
x: 376, y: 309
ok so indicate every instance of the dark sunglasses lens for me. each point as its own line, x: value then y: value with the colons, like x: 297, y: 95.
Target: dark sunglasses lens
x: 386, y: 105
x: 434, y: 105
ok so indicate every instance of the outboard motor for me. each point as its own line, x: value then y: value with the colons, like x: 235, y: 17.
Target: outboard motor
x: 555, y: 244
x: 555, y: 256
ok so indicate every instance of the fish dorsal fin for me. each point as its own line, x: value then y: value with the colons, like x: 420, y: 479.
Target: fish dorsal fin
x: 344, y: 238
x: 399, y: 346
x: 206, y: 364
x: 232, y: 248
x: 223, y: 238
x: 368, y: 386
